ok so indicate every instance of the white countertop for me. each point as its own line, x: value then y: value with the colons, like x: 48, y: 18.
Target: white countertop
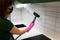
x: 32, y: 32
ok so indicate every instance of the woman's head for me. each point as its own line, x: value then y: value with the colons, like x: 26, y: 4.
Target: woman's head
x: 5, y: 7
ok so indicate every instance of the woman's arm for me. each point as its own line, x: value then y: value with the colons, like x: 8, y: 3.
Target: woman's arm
x: 15, y: 30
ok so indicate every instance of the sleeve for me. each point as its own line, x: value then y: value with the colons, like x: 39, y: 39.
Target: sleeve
x: 6, y: 25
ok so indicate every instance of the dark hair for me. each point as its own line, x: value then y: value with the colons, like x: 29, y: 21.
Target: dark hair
x: 4, y: 4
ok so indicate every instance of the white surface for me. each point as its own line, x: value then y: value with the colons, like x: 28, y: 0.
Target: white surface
x: 47, y: 24
x: 28, y: 34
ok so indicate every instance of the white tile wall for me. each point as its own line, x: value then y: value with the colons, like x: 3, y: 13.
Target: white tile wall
x: 16, y: 17
x: 48, y: 23
x: 52, y: 21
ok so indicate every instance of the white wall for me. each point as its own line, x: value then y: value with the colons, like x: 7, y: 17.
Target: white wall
x: 16, y: 16
x: 49, y: 22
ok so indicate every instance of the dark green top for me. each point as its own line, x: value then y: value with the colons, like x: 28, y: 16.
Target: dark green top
x: 5, y: 27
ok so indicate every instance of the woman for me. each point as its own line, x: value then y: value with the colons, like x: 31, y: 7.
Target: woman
x: 6, y: 26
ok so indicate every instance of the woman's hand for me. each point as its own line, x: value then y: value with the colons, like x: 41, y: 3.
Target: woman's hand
x: 30, y: 26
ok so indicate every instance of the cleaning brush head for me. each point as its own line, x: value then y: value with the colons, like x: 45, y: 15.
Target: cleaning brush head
x: 36, y: 15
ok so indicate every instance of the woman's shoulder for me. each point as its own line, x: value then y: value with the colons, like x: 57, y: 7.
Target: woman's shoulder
x: 5, y: 24
x: 2, y: 20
